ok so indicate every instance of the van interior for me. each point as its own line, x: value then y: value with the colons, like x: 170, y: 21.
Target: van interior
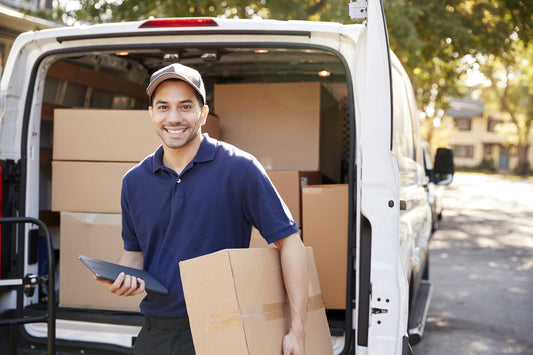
x: 287, y: 105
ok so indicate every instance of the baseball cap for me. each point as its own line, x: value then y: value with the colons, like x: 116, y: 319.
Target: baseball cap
x: 177, y: 71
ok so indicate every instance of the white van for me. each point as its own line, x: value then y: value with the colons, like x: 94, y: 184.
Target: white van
x: 323, y: 104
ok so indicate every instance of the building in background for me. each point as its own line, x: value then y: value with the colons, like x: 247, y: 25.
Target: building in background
x: 13, y: 22
x: 31, y: 5
x: 475, y: 141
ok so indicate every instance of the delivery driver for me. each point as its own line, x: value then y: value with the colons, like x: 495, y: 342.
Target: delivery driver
x: 194, y: 196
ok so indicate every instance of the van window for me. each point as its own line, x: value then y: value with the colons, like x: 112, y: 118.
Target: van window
x: 403, y: 129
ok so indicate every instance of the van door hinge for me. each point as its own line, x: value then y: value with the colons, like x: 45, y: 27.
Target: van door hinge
x: 10, y: 171
x: 31, y: 282
x: 358, y: 10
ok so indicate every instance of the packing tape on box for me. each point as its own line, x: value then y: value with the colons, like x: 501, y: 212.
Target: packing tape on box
x: 315, y: 303
x: 90, y: 218
x: 266, y: 312
x: 224, y: 320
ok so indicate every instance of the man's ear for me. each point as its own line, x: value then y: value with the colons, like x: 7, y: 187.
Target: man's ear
x: 204, y: 113
x: 150, y: 110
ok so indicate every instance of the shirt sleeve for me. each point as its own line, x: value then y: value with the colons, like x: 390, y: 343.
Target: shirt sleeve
x: 263, y: 206
x: 129, y: 236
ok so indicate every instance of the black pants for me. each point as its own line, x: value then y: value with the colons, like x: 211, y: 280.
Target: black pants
x: 164, y: 337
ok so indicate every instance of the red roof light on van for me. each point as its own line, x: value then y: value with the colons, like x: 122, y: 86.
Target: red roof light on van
x: 195, y: 22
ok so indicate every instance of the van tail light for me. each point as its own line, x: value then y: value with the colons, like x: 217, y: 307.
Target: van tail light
x: 179, y: 22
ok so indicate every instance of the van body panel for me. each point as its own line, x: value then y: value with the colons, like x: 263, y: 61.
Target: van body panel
x: 380, y: 202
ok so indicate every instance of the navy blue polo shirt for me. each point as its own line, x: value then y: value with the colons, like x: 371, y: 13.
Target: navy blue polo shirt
x: 212, y: 205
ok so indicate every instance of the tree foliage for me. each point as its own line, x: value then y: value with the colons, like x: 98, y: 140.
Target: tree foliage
x: 98, y: 11
x: 508, y: 96
x: 430, y: 39
x: 504, y: 30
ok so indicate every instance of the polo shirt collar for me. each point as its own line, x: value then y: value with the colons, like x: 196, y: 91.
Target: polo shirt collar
x: 205, y: 153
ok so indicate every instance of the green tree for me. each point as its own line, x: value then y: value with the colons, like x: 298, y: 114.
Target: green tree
x: 503, y: 30
x: 431, y: 38
x: 98, y: 11
x: 508, y: 96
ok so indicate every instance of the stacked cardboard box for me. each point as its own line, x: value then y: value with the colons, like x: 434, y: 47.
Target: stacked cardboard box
x: 97, y: 235
x: 109, y: 135
x: 325, y: 229
x: 321, y: 211
x: 289, y: 184
x: 324, y: 215
x: 287, y: 126
x: 237, y: 304
x: 87, y: 186
x: 92, y: 150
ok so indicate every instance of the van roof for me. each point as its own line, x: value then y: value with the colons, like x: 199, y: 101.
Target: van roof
x: 196, y: 24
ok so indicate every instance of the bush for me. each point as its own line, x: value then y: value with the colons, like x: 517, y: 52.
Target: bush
x: 526, y: 171
x: 487, y: 165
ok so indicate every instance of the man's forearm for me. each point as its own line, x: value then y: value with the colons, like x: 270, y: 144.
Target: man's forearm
x: 132, y: 259
x: 295, y: 276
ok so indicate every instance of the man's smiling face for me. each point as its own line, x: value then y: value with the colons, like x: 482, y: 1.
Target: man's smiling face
x: 176, y: 113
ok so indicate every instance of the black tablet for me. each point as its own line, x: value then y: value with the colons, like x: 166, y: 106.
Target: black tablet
x: 109, y: 271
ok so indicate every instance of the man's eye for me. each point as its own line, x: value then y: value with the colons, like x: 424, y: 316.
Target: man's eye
x: 186, y: 107
x: 162, y: 107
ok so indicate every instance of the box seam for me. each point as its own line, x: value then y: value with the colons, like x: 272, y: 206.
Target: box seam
x: 238, y: 302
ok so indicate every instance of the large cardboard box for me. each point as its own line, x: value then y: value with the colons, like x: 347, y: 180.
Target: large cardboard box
x: 98, y: 236
x: 87, y: 186
x: 325, y: 229
x: 287, y: 126
x: 103, y: 135
x: 237, y: 304
x: 109, y: 135
x: 288, y: 183
x: 212, y: 126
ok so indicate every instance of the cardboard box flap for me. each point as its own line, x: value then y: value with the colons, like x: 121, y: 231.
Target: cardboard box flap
x: 264, y: 314
x: 219, y: 315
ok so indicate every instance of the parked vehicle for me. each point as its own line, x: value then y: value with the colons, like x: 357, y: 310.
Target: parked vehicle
x: 434, y: 185
x: 301, y: 96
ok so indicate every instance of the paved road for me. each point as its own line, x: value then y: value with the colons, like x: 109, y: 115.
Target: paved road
x: 482, y: 269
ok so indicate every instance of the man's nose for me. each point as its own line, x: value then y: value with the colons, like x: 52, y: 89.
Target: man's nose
x: 174, y: 116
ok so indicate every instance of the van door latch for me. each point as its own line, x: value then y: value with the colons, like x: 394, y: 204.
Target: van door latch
x: 379, y: 310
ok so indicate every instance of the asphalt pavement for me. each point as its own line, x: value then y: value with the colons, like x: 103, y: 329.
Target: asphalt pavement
x: 481, y: 267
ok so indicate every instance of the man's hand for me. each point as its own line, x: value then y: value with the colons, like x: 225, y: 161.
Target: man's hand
x: 293, y: 345
x: 124, y: 285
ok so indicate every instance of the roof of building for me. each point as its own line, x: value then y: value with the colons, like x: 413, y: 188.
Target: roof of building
x: 16, y: 22
x: 465, y: 108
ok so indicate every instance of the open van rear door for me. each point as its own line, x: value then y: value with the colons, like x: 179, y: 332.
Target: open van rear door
x: 383, y: 287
